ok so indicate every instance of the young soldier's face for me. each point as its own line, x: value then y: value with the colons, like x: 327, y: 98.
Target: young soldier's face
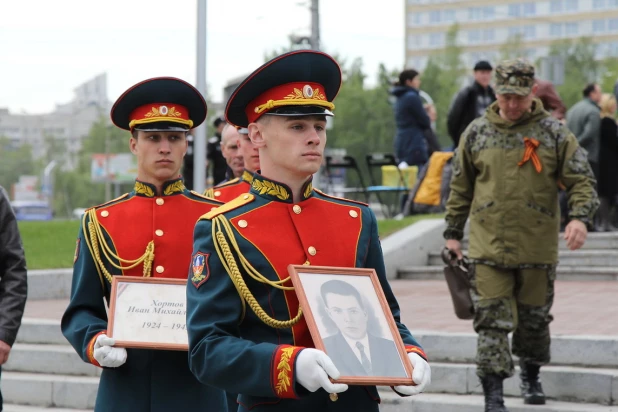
x: 159, y: 155
x: 292, y: 145
x: 249, y: 153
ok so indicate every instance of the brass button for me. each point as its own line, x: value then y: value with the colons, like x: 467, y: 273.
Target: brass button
x: 245, y: 197
x: 160, y: 201
x: 160, y: 269
x: 353, y: 213
x: 312, y: 251
x: 214, y: 207
x: 297, y: 209
x: 333, y: 397
x: 217, y: 193
x: 159, y: 232
x: 307, y: 263
x: 104, y: 213
x: 242, y: 223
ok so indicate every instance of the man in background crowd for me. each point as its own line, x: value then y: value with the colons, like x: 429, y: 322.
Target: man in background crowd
x: 471, y: 101
x: 230, y: 190
x: 13, y: 279
x: 584, y: 120
x: 217, y: 164
x: 231, y: 153
x: 513, y: 249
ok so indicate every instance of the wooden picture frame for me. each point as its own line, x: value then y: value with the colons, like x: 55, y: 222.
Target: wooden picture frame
x: 343, y: 327
x: 148, y: 313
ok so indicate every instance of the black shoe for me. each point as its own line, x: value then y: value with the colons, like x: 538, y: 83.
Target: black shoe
x: 531, y: 388
x: 494, y: 397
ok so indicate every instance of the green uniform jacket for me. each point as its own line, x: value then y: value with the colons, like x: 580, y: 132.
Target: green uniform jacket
x: 514, y: 213
x: 233, y: 348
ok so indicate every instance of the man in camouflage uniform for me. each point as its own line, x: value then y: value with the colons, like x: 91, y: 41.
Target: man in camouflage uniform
x: 505, y: 174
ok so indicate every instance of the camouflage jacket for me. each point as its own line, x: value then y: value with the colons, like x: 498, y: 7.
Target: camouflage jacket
x: 513, y: 205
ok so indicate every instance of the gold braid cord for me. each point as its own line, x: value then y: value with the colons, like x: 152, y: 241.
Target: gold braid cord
x: 97, y: 238
x: 229, y: 263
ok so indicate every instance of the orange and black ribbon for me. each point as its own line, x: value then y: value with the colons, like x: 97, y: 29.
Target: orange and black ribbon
x: 530, y: 154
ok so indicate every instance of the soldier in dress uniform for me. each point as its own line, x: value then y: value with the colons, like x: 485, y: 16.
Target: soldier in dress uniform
x: 242, y: 311
x: 146, y: 232
x: 235, y: 187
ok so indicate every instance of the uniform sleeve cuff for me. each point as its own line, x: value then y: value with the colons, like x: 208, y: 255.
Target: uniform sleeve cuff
x: 453, y: 233
x: 282, y: 371
x: 583, y: 219
x: 90, y: 349
x: 418, y: 350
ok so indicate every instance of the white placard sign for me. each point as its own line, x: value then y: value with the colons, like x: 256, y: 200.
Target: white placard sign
x: 148, y: 313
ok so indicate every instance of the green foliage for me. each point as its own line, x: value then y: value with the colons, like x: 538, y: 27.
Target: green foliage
x: 50, y: 244
x: 73, y: 188
x: 364, y: 121
x: 14, y: 162
x: 513, y: 48
x: 441, y: 79
x: 580, y: 67
x: 610, y: 75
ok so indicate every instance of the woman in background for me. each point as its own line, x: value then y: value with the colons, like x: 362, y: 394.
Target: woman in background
x: 608, y: 162
x: 411, y: 119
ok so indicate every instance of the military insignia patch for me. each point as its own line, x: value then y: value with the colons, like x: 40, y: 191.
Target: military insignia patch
x: 76, y: 254
x: 200, y: 269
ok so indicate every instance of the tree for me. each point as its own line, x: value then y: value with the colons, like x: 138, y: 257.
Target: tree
x: 432, y: 79
x: 512, y: 48
x: 364, y: 121
x: 74, y: 188
x: 609, y: 74
x: 16, y: 161
x: 580, y: 67
x: 442, y: 80
x: 55, y: 149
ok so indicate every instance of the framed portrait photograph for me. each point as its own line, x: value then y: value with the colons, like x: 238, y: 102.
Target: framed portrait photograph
x: 148, y: 313
x: 349, y: 319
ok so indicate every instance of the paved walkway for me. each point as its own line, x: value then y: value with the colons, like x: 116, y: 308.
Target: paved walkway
x: 580, y: 307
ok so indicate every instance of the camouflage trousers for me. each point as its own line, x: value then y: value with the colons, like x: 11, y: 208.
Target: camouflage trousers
x: 511, y: 300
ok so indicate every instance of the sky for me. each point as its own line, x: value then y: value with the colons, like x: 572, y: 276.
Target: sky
x: 48, y: 48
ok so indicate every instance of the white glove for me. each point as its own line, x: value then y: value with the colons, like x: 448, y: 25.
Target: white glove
x: 106, y: 354
x: 313, y: 367
x: 421, y: 376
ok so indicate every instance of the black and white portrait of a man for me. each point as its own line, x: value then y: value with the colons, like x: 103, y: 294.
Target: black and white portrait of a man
x: 356, y: 348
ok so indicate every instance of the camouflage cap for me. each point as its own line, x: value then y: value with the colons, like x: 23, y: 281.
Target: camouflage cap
x: 514, y: 76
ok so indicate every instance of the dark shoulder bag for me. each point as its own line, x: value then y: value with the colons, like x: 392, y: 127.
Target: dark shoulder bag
x: 456, y: 274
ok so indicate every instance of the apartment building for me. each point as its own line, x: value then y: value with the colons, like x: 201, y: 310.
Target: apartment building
x: 68, y: 123
x: 484, y: 25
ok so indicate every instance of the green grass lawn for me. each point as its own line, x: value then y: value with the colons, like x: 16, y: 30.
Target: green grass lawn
x: 389, y: 226
x: 51, y: 245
